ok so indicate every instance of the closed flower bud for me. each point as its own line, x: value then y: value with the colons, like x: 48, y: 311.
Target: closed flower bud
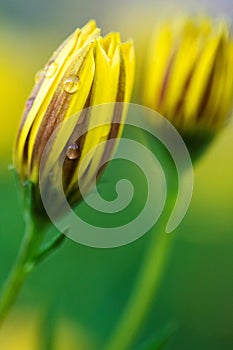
x: 85, y: 71
x: 189, y: 75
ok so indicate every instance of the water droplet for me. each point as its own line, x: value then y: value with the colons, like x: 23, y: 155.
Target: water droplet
x: 71, y: 84
x: 39, y: 75
x: 51, y: 69
x: 73, y: 151
x: 29, y: 103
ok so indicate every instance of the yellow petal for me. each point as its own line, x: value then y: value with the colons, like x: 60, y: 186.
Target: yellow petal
x: 195, y: 96
x: 104, y: 90
x: 181, y: 71
x: 84, y: 67
x: 225, y: 107
x: 159, y: 56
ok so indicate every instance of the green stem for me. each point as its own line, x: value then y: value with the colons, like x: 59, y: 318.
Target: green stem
x: 49, y: 247
x: 23, y: 266
x: 145, y: 291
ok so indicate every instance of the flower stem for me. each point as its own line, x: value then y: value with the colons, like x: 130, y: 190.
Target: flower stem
x: 23, y: 266
x: 145, y: 291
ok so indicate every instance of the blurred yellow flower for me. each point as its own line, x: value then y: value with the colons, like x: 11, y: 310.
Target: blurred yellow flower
x: 9, y: 71
x: 189, y: 74
x: 20, y: 331
x: 24, y: 331
x: 86, y: 70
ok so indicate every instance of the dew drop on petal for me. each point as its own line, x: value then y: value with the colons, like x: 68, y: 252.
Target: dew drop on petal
x: 73, y: 151
x: 71, y: 84
x: 51, y: 69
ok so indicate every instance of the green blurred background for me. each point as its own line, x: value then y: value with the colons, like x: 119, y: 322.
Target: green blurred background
x: 73, y: 300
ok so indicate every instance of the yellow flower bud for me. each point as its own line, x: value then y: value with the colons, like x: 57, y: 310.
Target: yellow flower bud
x: 189, y: 74
x: 86, y: 70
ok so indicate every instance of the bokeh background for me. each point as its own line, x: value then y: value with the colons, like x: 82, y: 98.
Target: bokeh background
x: 73, y: 300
